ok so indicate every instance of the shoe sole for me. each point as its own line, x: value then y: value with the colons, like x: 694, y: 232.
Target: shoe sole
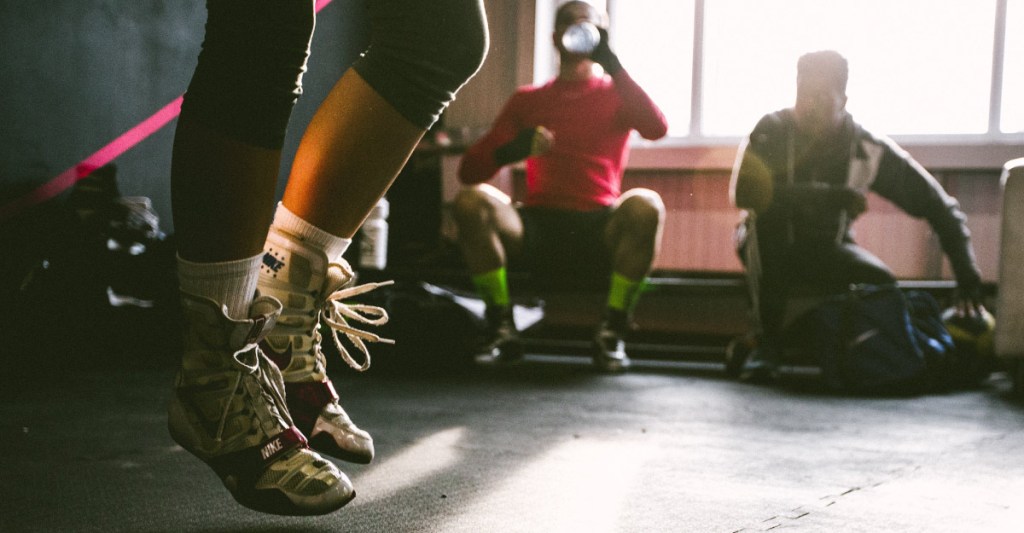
x: 512, y: 355
x: 270, y: 501
x: 759, y: 376
x: 611, y: 367
x: 279, y: 503
x: 325, y: 444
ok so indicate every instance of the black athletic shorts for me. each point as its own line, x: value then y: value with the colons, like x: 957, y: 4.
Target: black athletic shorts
x: 565, y: 249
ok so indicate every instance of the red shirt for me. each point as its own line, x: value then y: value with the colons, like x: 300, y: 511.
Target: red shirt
x: 591, y: 121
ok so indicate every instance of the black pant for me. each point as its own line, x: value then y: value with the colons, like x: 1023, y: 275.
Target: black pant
x: 783, y: 268
x: 564, y: 249
x: 249, y: 73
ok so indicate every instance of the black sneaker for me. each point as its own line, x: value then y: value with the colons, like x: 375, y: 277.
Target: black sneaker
x: 761, y: 367
x: 737, y: 352
x: 609, y: 347
x: 502, y: 345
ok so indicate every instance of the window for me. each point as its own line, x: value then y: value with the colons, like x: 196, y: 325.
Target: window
x: 1012, y: 116
x: 917, y: 67
x: 662, y: 59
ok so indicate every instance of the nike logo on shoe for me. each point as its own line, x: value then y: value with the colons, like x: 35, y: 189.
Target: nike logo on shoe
x: 274, y: 264
x: 271, y: 448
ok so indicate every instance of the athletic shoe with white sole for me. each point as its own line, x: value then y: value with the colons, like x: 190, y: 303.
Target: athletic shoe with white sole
x: 227, y: 409
x: 609, y: 350
x: 502, y: 345
x: 314, y: 293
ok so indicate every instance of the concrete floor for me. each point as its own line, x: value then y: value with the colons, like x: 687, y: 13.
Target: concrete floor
x: 547, y: 447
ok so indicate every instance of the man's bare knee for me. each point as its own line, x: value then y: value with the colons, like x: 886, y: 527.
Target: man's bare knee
x: 642, y: 209
x: 483, y: 209
x: 470, y: 203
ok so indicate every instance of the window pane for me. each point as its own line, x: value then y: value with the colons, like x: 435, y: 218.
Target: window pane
x: 916, y: 66
x: 1012, y: 120
x: 654, y: 40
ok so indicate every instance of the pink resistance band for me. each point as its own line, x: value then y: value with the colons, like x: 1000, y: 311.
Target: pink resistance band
x: 126, y: 141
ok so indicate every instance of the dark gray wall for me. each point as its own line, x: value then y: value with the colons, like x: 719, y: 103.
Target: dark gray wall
x: 75, y: 74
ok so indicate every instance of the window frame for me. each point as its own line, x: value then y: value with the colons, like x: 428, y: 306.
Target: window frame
x: 695, y: 150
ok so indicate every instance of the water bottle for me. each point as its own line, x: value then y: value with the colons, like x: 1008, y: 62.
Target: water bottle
x: 581, y: 38
x: 373, y: 244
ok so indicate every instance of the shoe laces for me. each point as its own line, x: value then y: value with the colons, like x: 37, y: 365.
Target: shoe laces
x: 272, y: 395
x: 336, y: 314
x: 504, y: 332
x: 606, y: 331
x: 610, y: 340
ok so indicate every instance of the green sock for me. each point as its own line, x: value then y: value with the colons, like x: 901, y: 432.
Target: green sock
x: 624, y: 292
x: 493, y: 287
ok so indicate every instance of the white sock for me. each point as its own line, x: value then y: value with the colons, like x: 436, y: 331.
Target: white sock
x: 230, y: 283
x: 331, y: 245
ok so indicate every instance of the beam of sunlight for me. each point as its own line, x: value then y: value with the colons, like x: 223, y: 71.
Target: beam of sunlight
x: 419, y: 461
x: 581, y: 485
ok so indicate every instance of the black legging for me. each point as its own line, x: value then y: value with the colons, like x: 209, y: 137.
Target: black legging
x: 254, y: 54
x: 823, y: 268
x: 421, y: 52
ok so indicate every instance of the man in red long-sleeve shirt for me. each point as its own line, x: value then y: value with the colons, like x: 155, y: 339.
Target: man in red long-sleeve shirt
x: 576, y: 222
